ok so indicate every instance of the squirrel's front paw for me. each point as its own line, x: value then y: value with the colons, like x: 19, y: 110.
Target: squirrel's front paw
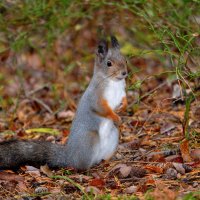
x: 116, y: 118
x: 123, y: 105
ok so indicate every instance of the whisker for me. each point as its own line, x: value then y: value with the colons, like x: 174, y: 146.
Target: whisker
x: 104, y: 79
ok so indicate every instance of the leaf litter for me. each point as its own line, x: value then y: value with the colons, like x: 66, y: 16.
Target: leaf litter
x: 39, y: 102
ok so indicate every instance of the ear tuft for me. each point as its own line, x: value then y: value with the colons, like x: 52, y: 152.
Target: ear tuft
x: 102, y: 48
x: 114, y: 42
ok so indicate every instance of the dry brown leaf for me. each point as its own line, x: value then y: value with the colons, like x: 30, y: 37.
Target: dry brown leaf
x: 45, y: 169
x: 97, y: 183
x: 163, y: 193
x: 167, y: 127
x: 195, y: 154
x: 66, y: 115
x: 155, y: 156
x: 185, y: 152
x: 137, y: 123
x: 10, y: 176
x: 92, y: 189
x: 171, y: 173
x: 122, y: 170
x: 179, y: 167
x: 34, y: 172
x: 26, y: 110
x: 134, y: 144
x: 153, y: 168
x: 147, y: 141
x: 171, y: 139
x: 174, y: 158
x: 150, y: 181
x: 125, y: 171
x: 131, y: 189
x: 33, y: 60
x: 7, y: 186
x: 138, y: 172
x: 142, y: 187
x: 195, y: 164
x: 21, y: 186
x: 29, y: 168
x: 114, y: 169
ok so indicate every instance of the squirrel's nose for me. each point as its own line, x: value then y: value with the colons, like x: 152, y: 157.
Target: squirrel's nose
x: 124, y: 73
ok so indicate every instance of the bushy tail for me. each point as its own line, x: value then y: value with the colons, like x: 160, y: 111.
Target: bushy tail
x: 35, y: 153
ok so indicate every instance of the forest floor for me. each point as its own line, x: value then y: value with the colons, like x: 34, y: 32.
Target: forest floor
x: 46, y: 62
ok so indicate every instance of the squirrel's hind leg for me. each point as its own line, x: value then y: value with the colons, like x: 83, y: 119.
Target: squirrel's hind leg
x: 85, y: 155
x: 113, y: 143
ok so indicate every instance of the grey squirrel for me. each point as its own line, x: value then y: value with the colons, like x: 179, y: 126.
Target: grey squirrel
x: 94, y: 135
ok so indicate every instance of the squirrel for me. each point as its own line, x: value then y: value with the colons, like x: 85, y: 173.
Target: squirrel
x: 94, y: 135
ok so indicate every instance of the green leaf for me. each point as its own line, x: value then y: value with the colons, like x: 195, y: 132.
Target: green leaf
x: 43, y: 130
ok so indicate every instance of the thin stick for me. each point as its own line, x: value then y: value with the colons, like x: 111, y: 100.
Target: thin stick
x: 148, y: 93
x: 37, y: 90
x: 42, y: 104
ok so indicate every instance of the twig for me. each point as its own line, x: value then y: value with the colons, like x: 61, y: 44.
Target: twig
x: 37, y: 90
x: 42, y: 104
x: 148, y: 93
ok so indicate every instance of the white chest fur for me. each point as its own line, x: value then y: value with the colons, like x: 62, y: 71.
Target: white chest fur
x: 108, y: 133
x: 114, y: 93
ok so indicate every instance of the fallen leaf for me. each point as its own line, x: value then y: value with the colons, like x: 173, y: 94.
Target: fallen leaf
x: 97, y: 183
x: 8, y: 186
x: 177, y: 91
x: 195, y: 154
x: 154, y: 169
x: 167, y: 127
x: 174, y: 158
x: 22, y: 186
x: 171, y: 173
x: 27, y: 109
x: 179, y: 167
x: 184, y: 148
x: 135, y: 144
x: 45, y: 169
x: 92, y: 189
x: 33, y: 171
x: 147, y: 141
x: 130, y: 190
x: 137, y: 123
x: 122, y: 170
x: 162, y: 192
x: 150, y: 181
x: 125, y: 171
x: 66, y: 115
x: 43, y: 130
x: 138, y: 172
x: 155, y: 156
x: 142, y: 187
x: 10, y: 177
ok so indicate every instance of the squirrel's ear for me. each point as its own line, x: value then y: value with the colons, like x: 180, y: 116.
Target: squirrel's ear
x: 114, y: 42
x: 102, y: 48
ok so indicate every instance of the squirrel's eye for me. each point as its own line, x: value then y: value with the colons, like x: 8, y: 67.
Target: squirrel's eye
x: 109, y: 63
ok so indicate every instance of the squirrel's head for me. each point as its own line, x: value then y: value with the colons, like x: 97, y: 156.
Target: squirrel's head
x: 109, y: 60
